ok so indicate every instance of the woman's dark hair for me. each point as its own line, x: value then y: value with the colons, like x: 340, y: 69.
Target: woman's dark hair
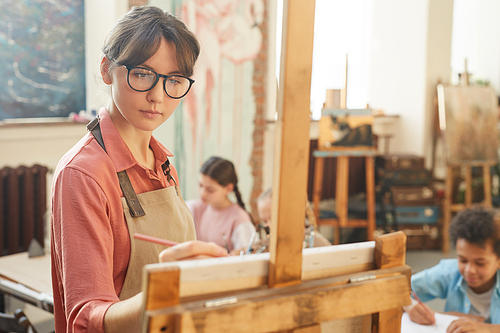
x: 476, y: 226
x: 223, y: 172
x: 138, y: 35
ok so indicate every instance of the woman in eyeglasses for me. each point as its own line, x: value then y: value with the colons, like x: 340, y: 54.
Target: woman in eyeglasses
x: 117, y: 181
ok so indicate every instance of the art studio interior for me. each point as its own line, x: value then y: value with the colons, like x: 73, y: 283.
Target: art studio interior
x: 373, y: 124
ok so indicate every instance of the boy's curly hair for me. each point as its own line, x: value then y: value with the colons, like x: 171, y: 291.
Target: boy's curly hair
x: 476, y: 226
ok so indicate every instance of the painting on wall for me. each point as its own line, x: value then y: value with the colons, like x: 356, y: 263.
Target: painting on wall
x: 42, y: 58
x: 468, y: 118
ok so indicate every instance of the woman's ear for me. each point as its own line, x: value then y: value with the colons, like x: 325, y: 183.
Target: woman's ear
x: 106, y: 76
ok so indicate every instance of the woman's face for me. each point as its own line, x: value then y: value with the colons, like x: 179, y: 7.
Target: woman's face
x: 145, y: 111
x: 478, y: 265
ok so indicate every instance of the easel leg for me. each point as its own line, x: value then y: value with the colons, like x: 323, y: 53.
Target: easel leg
x: 487, y: 185
x: 387, y: 321
x: 370, y: 196
x: 342, y: 192
x: 318, y: 185
x: 468, y: 186
x: 447, y: 208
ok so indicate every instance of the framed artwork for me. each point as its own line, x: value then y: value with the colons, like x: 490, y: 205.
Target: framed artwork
x: 468, y: 118
x: 42, y: 58
x: 345, y: 129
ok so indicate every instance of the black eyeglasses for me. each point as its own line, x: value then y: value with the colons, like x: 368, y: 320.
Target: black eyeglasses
x: 143, y: 79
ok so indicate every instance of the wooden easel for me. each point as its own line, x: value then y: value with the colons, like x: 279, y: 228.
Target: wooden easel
x: 176, y: 297
x: 486, y: 160
x: 449, y: 207
x: 281, y: 293
x: 343, y: 154
x: 342, y: 191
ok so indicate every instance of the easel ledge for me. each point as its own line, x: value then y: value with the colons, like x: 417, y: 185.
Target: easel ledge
x: 218, y: 275
x: 252, y: 307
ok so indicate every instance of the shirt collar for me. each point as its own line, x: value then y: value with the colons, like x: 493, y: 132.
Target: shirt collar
x: 461, y: 284
x: 118, y: 150
x: 497, y: 284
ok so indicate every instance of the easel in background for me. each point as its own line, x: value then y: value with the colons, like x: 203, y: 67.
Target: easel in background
x: 342, y: 191
x: 454, y: 104
x: 335, y: 106
x: 230, y: 300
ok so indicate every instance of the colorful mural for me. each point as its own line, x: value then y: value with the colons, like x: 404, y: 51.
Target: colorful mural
x: 42, y: 58
x: 217, y: 116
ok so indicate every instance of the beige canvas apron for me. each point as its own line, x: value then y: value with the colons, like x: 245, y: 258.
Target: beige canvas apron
x: 161, y: 213
x: 167, y: 217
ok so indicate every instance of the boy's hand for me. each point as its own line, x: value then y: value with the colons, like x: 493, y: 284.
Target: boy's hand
x: 467, y: 324
x: 192, y: 250
x: 420, y: 313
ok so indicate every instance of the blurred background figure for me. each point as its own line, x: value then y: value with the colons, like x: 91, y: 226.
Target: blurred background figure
x: 217, y: 219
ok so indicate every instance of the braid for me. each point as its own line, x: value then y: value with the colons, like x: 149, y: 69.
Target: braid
x: 240, y: 201
x: 238, y: 197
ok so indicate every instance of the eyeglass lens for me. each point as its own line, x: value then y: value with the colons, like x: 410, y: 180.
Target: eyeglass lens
x: 141, y: 79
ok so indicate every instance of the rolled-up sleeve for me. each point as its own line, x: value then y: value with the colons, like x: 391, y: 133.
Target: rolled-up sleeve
x: 82, y: 242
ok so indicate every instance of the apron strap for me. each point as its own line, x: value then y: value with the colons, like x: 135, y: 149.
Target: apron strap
x: 130, y: 197
x: 128, y: 190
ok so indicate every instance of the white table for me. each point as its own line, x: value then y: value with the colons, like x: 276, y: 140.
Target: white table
x: 28, y: 279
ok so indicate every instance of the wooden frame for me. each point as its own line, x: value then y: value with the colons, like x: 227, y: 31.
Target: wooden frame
x: 449, y: 207
x: 342, y: 191
x: 176, y: 297
x: 288, y: 289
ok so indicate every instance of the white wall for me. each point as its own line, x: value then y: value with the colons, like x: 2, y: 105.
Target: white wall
x: 397, y: 77
x: 99, y: 18
x: 476, y: 36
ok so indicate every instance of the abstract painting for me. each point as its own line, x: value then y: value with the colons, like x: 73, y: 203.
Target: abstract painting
x: 42, y: 58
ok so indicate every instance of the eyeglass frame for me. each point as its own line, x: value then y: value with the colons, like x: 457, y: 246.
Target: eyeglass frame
x: 158, y: 76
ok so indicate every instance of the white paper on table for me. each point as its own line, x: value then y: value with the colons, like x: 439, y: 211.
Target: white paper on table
x: 442, y: 323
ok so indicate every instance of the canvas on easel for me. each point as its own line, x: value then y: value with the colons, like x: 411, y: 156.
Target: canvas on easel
x: 468, y: 117
x: 345, y: 129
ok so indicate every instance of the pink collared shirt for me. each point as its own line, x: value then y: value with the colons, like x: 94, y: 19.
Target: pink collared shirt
x: 229, y: 227
x: 90, y: 244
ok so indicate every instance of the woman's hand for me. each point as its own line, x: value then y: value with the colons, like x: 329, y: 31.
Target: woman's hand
x: 420, y: 313
x: 468, y: 324
x: 192, y: 250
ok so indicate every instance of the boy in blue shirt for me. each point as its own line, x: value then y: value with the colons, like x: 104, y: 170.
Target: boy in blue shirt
x: 470, y: 284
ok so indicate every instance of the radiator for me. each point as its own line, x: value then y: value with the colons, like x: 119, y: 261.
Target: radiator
x: 23, y: 202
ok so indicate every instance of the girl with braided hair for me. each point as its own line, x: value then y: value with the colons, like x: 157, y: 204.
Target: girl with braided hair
x: 216, y: 218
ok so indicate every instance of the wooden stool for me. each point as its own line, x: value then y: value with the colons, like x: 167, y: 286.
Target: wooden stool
x: 342, y: 190
x: 449, y: 207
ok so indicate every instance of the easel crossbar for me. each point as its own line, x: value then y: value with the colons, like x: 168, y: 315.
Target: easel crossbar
x: 299, y: 305
x: 200, y: 277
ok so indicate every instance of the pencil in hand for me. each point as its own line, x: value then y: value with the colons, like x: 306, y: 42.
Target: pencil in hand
x: 154, y: 240
x: 431, y: 315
